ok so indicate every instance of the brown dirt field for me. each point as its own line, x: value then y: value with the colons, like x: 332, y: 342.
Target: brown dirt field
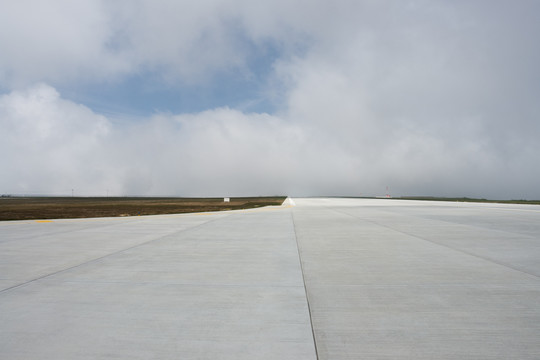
x: 32, y: 208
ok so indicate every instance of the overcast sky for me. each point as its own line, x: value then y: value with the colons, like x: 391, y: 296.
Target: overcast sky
x: 297, y: 97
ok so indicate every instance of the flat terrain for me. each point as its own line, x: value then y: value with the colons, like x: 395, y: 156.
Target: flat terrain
x: 466, y: 199
x: 25, y: 208
x: 325, y: 279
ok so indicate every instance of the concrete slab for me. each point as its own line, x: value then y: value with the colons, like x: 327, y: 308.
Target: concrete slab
x: 30, y: 250
x: 385, y: 279
x: 225, y: 285
x: 391, y: 279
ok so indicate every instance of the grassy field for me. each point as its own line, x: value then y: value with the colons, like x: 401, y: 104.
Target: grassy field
x: 26, y: 208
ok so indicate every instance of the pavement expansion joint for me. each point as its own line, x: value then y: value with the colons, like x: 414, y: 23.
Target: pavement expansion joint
x: 485, y: 258
x: 305, y: 288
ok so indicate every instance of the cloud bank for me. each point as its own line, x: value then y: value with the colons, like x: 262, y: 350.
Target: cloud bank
x: 428, y: 98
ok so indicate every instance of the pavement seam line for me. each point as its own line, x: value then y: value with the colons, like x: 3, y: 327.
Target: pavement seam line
x: 500, y: 263
x: 305, y: 287
x: 14, y: 222
x: 466, y: 225
x: 103, y: 257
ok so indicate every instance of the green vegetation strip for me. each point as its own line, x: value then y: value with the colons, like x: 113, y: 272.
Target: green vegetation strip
x: 466, y: 199
x: 33, y: 208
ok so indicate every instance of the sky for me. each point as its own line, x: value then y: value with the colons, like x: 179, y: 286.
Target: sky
x: 290, y: 97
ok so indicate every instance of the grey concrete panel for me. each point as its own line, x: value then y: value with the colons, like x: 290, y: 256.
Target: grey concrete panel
x: 385, y: 279
x: 203, y: 286
x: 390, y: 279
x: 30, y: 250
x: 93, y: 320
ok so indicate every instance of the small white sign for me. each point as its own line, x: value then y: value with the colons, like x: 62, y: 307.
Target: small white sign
x: 226, y: 200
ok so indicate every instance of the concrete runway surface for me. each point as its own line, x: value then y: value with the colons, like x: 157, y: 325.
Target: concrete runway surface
x: 326, y: 279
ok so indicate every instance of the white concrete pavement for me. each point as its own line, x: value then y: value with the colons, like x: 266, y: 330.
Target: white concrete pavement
x: 393, y: 279
x: 201, y: 286
x: 384, y: 279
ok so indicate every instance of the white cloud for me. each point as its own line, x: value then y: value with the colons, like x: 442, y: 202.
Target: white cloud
x: 55, y: 145
x: 58, y: 41
x: 428, y: 97
x: 62, y: 42
x: 50, y: 145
